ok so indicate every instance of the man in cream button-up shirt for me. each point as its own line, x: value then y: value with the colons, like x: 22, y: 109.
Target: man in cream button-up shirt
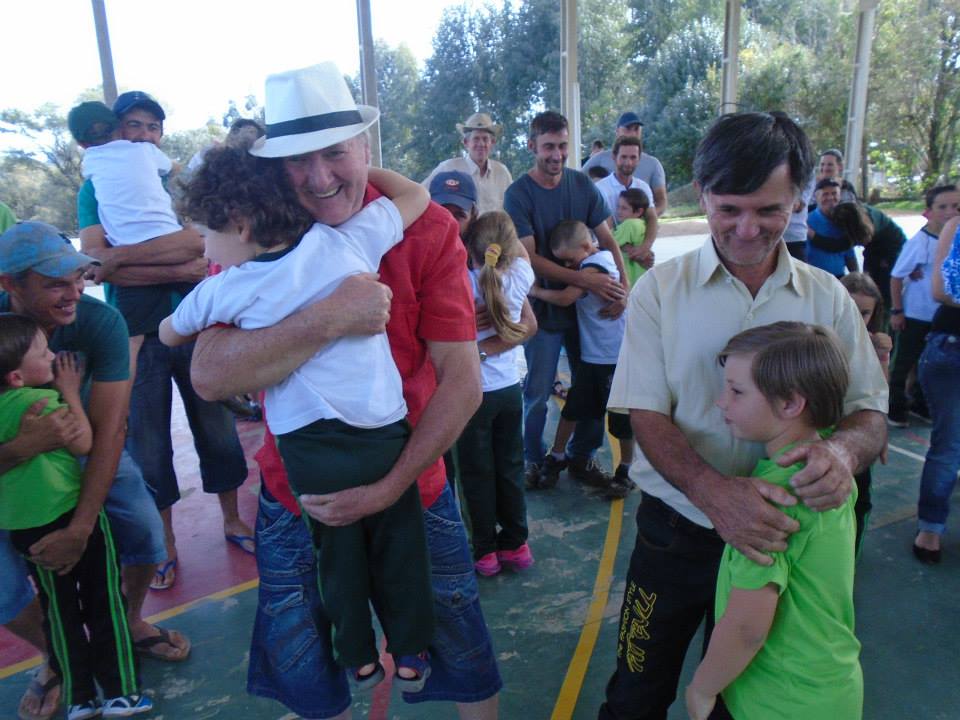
x: 749, y: 169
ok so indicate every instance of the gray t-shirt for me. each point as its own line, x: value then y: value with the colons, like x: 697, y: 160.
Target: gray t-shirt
x: 600, y: 337
x: 536, y: 211
x: 648, y: 169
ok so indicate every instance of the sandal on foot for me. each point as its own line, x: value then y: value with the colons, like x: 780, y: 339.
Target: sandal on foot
x: 369, y: 680
x: 419, y: 664
x: 244, y: 542
x: 147, y: 647
x: 39, y: 690
x: 165, y: 576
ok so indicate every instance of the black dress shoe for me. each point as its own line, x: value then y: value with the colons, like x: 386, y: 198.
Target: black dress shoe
x: 928, y: 557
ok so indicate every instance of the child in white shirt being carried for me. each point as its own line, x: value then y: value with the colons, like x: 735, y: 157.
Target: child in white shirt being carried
x: 339, y: 418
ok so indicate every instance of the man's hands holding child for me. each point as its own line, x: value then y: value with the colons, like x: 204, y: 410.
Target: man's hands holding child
x: 365, y: 305
x: 827, y: 478
x: 741, y: 512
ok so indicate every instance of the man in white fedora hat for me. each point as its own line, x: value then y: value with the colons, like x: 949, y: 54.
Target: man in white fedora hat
x: 425, y: 305
x: 491, y: 177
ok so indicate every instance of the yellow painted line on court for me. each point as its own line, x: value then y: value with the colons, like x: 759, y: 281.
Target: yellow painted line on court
x: 577, y: 669
x: 29, y: 663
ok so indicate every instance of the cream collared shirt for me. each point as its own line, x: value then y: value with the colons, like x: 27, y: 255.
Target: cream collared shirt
x: 490, y: 187
x: 682, y: 313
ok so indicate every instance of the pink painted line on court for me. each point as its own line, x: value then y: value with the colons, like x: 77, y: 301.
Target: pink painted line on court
x: 917, y: 438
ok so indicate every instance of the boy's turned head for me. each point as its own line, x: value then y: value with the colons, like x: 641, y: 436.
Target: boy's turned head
x: 25, y: 359
x: 632, y: 203
x: 235, y: 191
x: 570, y: 242
x: 92, y: 123
x: 597, y: 173
x: 781, y: 375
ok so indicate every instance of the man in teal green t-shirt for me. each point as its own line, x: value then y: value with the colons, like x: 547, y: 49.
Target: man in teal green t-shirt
x: 42, y: 277
x: 156, y: 275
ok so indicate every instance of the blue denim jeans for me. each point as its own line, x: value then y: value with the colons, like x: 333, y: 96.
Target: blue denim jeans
x: 542, y: 353
x: 136, y: 528
x: 222, y: 465
x: 940, y: 379
x: 291, y: 656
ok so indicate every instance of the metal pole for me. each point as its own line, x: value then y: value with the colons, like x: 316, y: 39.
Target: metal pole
x: 368, y: 76
x: 106, y: 58
x: 857, y: 108
x: 569, y: 85
x: 731, y: 57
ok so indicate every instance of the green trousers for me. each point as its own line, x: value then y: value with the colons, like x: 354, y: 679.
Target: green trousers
x: 381, y: 558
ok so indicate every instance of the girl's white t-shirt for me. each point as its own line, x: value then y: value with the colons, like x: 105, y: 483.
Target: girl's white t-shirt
x: 500, y: 371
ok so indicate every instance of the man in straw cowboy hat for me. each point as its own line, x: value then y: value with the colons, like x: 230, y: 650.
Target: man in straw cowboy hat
x: 315, y: 131
x: 492, y: 178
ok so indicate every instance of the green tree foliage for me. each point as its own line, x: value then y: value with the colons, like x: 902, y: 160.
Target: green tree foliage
x: 660, y: 58
x: 915, y: 90
x: 41, y: 174
x: 397, y: 79
x: 182, y: 145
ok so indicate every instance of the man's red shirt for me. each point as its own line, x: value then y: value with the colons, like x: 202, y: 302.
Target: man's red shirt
x: 432, y: 300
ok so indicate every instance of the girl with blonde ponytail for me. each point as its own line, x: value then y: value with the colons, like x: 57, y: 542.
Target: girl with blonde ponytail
x: 490, y: 450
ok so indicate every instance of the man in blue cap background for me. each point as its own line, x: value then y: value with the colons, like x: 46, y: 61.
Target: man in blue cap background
x: 648, y: 169
x: 456, y: 192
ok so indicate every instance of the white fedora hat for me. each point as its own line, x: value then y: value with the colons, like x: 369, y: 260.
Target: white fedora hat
x: 309, y: 109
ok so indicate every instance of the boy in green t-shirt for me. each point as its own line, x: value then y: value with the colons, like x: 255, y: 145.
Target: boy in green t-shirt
x: 631, y: 232
x: 38, y: 497
x: 783, y: 646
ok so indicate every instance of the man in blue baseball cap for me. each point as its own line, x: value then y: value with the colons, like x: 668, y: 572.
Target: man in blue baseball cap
x: 41, y: 275
x: 648, y: 169
x: 457, y: 193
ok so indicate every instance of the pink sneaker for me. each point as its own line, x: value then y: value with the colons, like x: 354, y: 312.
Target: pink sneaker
x: 519, y: 559
x: 488, y: 565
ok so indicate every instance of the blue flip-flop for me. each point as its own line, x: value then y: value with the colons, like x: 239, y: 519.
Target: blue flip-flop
x: 165, y: 576
x: 239, y: 541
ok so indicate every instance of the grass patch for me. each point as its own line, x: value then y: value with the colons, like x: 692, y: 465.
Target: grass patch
x: 682, y: 212
x: 917, y: 206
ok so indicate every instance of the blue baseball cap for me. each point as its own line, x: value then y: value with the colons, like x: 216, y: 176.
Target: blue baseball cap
x: 628, y: 119
x: 42, y: 248
x: 136, y: 99
x: 453, y: 188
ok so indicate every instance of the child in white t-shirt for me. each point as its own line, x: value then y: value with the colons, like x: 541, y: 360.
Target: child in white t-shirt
x: 600, y: 339
x: 339, y: 418
x: 132, y: 204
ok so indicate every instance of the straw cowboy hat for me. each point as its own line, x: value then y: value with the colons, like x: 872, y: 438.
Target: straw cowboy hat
x: 309, y: 109
x: 479, y: 121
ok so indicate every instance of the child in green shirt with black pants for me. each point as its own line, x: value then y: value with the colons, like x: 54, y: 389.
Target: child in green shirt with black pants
x: 784, y: 647
x: 38, y: 497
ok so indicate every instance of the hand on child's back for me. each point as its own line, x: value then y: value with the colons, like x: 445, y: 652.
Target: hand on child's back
x: 67, y: 372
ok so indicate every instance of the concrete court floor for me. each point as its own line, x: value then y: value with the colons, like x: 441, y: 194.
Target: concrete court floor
x: 905, y: 615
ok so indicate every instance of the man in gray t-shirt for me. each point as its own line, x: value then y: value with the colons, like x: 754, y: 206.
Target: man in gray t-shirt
x: 648, y: 169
